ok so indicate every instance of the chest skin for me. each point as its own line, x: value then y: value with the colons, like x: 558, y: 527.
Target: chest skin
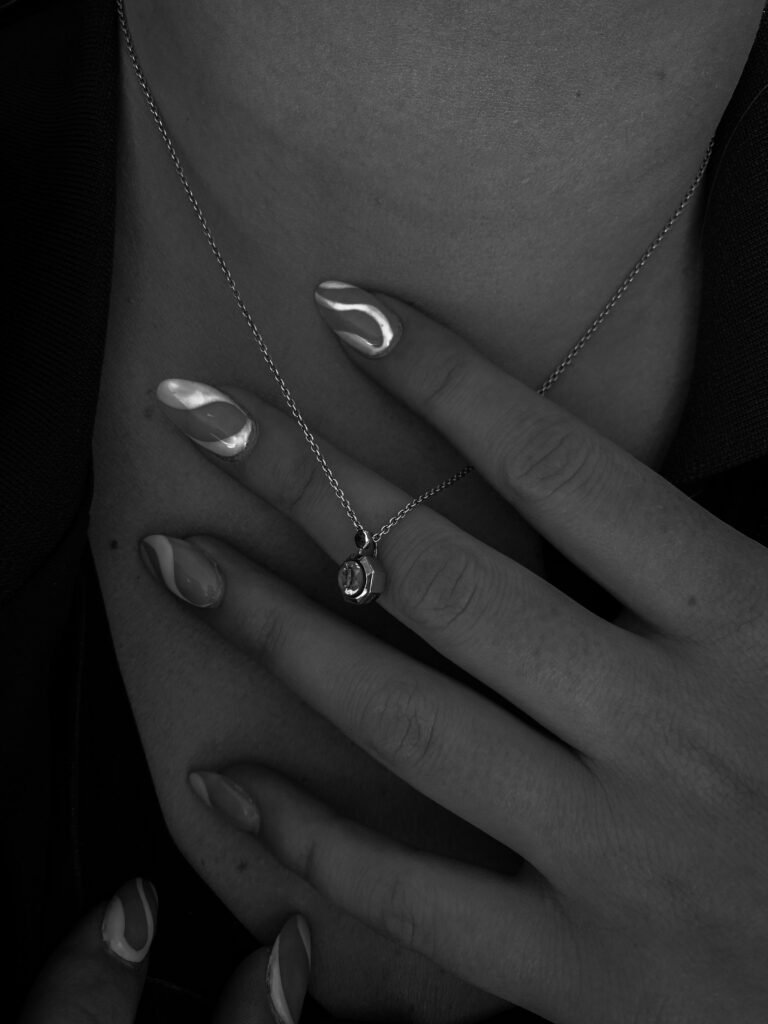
x: 501, y: 172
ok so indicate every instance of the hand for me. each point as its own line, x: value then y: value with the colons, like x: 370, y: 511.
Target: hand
x: 640, y: 806
x: 97, y: 974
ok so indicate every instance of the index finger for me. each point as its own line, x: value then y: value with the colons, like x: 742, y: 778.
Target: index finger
x: 662, y: 555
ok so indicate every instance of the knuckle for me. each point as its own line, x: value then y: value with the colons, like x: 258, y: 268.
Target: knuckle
x: 445, y: 379
x: 442, y: 587
x: 748, y: 598
x: 293, y: 481
x: 267, y: 636
x: 310, y: 861
x: 399, y: 909
x: 400, y: 726
x: 313, y: 850
x: 711, y: 777
x: 742, y: 613
x: 554, y: 458
x: 707, y: 755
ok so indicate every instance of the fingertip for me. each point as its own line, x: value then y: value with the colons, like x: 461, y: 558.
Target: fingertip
x: 97, y: 972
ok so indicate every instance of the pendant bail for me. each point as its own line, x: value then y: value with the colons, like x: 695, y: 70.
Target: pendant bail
x: 365, y: 543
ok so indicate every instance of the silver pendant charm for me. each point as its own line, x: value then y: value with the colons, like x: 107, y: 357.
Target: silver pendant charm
x: 362, y: 577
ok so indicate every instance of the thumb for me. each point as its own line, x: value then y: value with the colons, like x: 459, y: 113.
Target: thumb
x: 96, y: 975
x: 269, y: 985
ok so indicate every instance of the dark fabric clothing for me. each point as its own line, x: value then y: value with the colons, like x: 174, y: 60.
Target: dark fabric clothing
x: 79, y: 808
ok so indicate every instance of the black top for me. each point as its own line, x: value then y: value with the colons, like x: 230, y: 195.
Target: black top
x: 69, y: 798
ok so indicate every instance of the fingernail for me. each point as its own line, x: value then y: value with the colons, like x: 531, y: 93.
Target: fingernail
x: 128, y: 926
x: 226, y: 796
x: 184, y: 569
x: 288, y: 970
x: 361, y: 321
x: 207, y: 416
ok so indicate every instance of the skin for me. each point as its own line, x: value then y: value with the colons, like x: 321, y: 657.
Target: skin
x: 642, y: 811
x: 514, y: 154
x: 86, y: 979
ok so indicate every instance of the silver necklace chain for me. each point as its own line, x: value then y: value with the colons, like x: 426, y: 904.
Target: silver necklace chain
x: 289, y: 399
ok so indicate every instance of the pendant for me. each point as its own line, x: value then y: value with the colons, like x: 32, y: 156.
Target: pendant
x: 362, y: 577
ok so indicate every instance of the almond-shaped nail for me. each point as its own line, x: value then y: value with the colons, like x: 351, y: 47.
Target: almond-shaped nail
x: 358, y: 319
x: 288, y: 970
x: 185, y: 569
x: 225, y: 795
x: 207, y: 416
x: 128, y: 926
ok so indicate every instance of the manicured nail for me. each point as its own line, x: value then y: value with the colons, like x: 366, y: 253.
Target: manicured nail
x: 226, y: 796
x: 361, y: 321
x: 288, y: 970
x: 184, y: 569
x: 129, y: 920
x: 207, y: 416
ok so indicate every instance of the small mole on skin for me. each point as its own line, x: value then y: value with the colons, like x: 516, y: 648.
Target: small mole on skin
x: 114, y: 545
x: 692, y: 601
x: 661, y: 75
x: 242, y: 865
x: 578, y: 93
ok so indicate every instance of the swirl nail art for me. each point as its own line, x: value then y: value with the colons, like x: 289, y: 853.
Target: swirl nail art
x: 184, y: 569
x: 206, y: 415
x: 358, y: 319
x: 288, y: 971
x: 128, y: 926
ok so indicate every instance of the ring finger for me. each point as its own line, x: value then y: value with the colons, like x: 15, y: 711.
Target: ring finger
x: 500, y: 622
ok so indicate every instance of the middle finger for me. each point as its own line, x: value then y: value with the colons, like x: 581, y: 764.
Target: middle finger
x: 539, y: 649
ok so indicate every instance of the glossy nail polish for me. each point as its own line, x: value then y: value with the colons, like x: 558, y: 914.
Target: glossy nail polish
x: 207, y: 416
x: 184, y: 569
x: 226, y: 796
x: 288, y: 970
x: 358, y: 319
x: 128, y: 926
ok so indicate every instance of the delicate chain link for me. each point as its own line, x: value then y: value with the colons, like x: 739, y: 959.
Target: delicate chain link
x: 289, y: 399
x: 603, y: 316
x: 417, y: 501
